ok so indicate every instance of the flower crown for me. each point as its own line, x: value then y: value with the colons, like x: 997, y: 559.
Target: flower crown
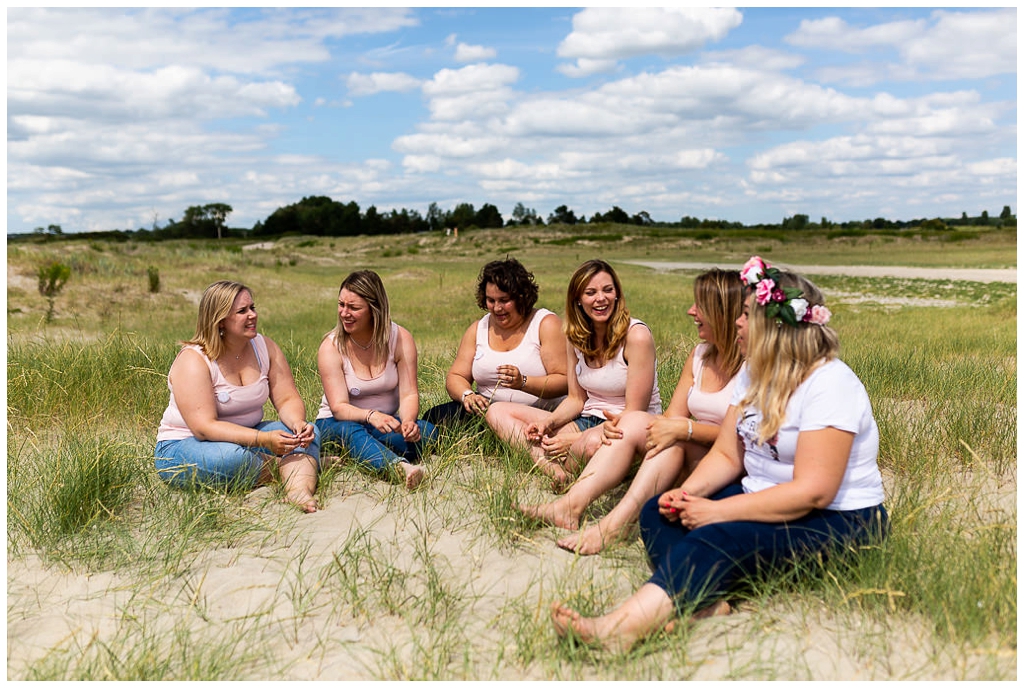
x: 784, y: 303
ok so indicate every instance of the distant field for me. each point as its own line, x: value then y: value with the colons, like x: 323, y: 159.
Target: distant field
x: 111, y: 575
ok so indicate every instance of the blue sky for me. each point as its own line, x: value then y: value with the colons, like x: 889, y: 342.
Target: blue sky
x: 120, y: 119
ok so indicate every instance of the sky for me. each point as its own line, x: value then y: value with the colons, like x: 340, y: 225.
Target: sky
x: 123, y: 118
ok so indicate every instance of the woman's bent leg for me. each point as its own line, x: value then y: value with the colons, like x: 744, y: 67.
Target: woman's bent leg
x: 190, y: 461
x: 362, y: 442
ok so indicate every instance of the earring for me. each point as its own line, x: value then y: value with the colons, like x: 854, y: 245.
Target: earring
x: 221, y: 333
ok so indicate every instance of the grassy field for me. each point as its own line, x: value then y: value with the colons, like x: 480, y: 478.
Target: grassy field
x: 111, y: 575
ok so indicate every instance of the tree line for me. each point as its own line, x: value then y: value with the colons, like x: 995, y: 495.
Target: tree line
x: 324, y: 216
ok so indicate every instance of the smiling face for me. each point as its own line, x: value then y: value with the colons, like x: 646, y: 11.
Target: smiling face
x: 598, y: 298
x: 703, y: 329
x: 354, y: 314
x: 241, y: 322
x: 502, y: 307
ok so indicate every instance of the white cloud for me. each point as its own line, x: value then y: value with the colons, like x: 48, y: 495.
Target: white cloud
x: 470, y: 79
x: 602, y: 35
x: 474, y: 53
x: 948, y: 45
x: 377, y: 82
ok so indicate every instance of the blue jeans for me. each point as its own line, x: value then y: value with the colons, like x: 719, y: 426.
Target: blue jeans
x: 698, y: 567
x: 584, y: 423
x: 366, y: 444
x: 190, y: 461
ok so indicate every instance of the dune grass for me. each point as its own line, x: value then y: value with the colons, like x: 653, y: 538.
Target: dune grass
x: 413, y: 588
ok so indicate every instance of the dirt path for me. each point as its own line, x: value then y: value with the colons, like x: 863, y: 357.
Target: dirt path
x: 965, y: 275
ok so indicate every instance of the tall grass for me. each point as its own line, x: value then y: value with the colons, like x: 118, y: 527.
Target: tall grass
x: 85, y: 395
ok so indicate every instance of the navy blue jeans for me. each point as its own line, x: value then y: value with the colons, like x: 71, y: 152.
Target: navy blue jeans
x: 697, y: 567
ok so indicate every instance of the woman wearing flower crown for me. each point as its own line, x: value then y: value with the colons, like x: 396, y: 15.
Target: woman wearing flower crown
x: 797, y: 480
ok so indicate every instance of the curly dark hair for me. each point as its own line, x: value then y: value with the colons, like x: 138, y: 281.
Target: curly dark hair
x: 511, y: 277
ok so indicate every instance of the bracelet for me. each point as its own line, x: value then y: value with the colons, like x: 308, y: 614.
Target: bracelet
x: 689, y: 429
x: 467, y: 393
x: 370, y: 413
x: 523, y: 386
x: 257, y: 442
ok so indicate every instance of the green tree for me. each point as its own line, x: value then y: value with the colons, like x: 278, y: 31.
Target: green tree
x: 488, y: 217
x: 463, y: 216
x: 562, y: 215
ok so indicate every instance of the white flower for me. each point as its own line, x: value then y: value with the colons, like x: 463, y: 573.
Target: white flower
x: 799, y: 308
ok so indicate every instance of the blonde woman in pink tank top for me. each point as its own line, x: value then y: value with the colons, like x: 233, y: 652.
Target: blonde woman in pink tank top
x: 213, y: 430
x: 670, y: 445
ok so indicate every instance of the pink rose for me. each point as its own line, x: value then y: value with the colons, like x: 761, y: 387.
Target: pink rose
x: 752, y: 271
x: 819, y: 315
x: 764, y: 291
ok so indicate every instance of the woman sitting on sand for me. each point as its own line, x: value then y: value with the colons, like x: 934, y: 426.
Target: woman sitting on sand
x: 670, y: 444
x: 798, y: 479
x: 371, y: 400
x: 213, y: 430
x: 614, y: 372
x: 515, y: 353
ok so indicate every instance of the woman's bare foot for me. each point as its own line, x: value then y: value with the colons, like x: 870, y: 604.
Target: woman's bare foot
x: 586, y: 629
x: 302, y: 499
x: 413, y: 475
x: 557, y: 513
x: 326, y: 461
x: 560, y: 478
x: 590, y: 541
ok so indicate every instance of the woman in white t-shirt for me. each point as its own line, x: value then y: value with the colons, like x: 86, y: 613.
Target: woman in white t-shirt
x: 613, y: 370
x: 798, y: 479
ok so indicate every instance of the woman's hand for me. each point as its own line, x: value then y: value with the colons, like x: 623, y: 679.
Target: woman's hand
x: 410, y: 431
x: 383, y: 422
x: 610, y: 428
x: 305, y: 434
x: 536, y: 431
x: 557, y: 446
x: 691, y: 512
x: 475, y: 404
x: 281, y: 443
x: 510, y: 376
x: 662, y: 433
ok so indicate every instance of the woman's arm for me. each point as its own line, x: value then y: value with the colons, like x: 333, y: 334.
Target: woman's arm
x: 408, y: 386
x: 553, y: 356
x: 676, y: 424
x: 330, y: 364
x: 460, y: 375
x: 818, y: 470
x: 569, y: 408
x: 639, y: 354
x: 283, y: 393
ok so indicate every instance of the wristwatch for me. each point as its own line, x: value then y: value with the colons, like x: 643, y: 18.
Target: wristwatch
x: 467, y: 393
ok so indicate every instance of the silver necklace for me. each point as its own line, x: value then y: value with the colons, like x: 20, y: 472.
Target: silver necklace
x: 364, y: 348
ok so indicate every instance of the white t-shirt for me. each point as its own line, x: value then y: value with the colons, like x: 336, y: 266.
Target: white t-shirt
x: 831, y: 397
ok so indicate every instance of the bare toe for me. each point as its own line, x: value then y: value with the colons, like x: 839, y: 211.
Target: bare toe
x: 413, y: 475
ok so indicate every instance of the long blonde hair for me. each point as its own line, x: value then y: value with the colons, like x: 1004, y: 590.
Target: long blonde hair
x: 216, y: 303
x: 780, y: 356
x: 719, y: 296
x: 367, y: 285
x: 579, y: 329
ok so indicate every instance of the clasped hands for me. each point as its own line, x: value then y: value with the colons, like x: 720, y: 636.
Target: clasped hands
x: 283, y: 443
x: 384, y: 423
x: 690, y: 511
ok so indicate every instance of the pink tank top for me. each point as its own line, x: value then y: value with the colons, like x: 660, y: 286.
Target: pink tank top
x: 526, y: 357
x: 242, y: 405
x: 707, y: 407
x: 378, y: 393
x: 606, y: 386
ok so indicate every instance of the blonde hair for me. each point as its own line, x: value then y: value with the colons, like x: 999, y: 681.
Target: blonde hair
x: 579, y: 329
x: 367, y: 285
x: 719, y: 296
x: 216, y: 304
x: 780, y: 356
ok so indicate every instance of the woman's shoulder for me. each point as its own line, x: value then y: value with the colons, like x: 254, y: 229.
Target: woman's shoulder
x: 835, y: 377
